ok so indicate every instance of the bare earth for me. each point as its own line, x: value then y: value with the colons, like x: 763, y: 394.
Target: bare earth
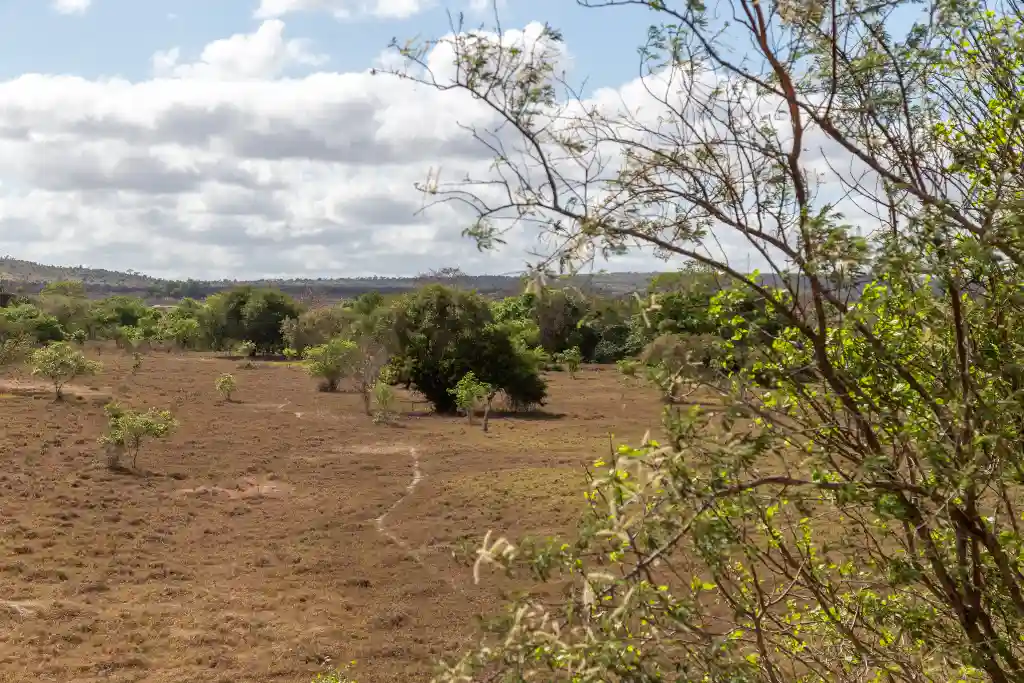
x: 274, y: 536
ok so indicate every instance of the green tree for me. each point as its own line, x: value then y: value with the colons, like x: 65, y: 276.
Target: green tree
x: 128, y: 429
x: 442, y: 334
x: 247, y: 313
x: 61, y: 363
x: 843, y: 505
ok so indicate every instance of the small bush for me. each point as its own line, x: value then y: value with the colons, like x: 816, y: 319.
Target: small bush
x: 246, y: 349
x: 384, y: 400
x: 330, y: 362
x: 60, y: 363
x: 128, y: 429
x: 226, y: 385
x: 79, y: 337
x: 469, y: 393
x: 572, y: 358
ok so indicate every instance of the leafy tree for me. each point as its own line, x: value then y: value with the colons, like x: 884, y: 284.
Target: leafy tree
x: 844, y: 504
x: 28, y: 319
x: 114, y: 312
x: 469, y: 393
x: 371, y: 329
x: 61, y: 363
x: 182, y: 331
x: 68, y: 288
x: 127, y: 430
x: 331, y: 362
x: 248, y: 313
x: 442, y: 334
x: 15, y: 349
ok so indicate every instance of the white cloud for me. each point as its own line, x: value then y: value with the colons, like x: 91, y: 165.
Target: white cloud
x: 225, y: 167
x: 345, y: 9
x: 222, y: 167
x: 71, y: 6
x: 263, y: 54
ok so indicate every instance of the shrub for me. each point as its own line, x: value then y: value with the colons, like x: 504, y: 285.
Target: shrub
x: 572, y: 358
x: 469, y: 393
x: 60, y: 363
x: 79, y: 337
x: 384, y: 400
x: 226, y: 385
x: 15, y: 349
x: 246, y: 349
x: 331, y: 362
x: 128, y: 429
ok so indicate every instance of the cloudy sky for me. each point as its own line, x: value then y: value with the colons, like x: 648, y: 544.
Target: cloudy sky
x: 244, y: 138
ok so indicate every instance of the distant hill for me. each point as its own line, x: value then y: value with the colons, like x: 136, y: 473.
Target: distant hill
x: 29, y: 277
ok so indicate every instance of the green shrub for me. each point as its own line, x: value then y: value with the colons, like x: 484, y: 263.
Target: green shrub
x: 572, y: 358
x: 246, y: 349
x: 60, y: 363
x: 469, y: 393
x: 384, y: 401
x: 331, y: 362
x: 226, y: 385
x: 128, y: 429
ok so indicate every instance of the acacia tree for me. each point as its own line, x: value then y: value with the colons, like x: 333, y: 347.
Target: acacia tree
x: 854, y: 516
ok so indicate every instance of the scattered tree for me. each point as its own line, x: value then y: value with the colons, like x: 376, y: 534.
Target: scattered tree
x: 60, y: 363
x: 128, y: 429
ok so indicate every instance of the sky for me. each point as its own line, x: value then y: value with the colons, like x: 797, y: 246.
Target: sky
x: 246, y: 138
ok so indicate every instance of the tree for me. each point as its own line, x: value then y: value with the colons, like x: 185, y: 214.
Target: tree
x: 248, y: 313
x: 856, y: 517
x: 60, y: 363
x: 127, y: 430
x: 371, y: 330
x: 441, y: 334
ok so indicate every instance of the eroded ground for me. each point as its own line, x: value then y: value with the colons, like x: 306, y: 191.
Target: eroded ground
x: 251, y: 548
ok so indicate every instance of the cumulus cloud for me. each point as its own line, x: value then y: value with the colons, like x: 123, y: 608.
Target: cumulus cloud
x: 237, y: 164
x: 259, y: 55
x: 71, y: 6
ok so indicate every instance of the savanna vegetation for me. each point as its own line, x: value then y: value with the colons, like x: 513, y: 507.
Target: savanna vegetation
x: 837, y: 492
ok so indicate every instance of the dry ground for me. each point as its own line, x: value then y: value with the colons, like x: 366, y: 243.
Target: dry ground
x: 248, y: 548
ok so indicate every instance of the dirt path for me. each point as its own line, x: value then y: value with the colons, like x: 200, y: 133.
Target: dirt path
x: 417, y: 477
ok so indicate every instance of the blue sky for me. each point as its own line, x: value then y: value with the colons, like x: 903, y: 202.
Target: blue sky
x: 118, y: 37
